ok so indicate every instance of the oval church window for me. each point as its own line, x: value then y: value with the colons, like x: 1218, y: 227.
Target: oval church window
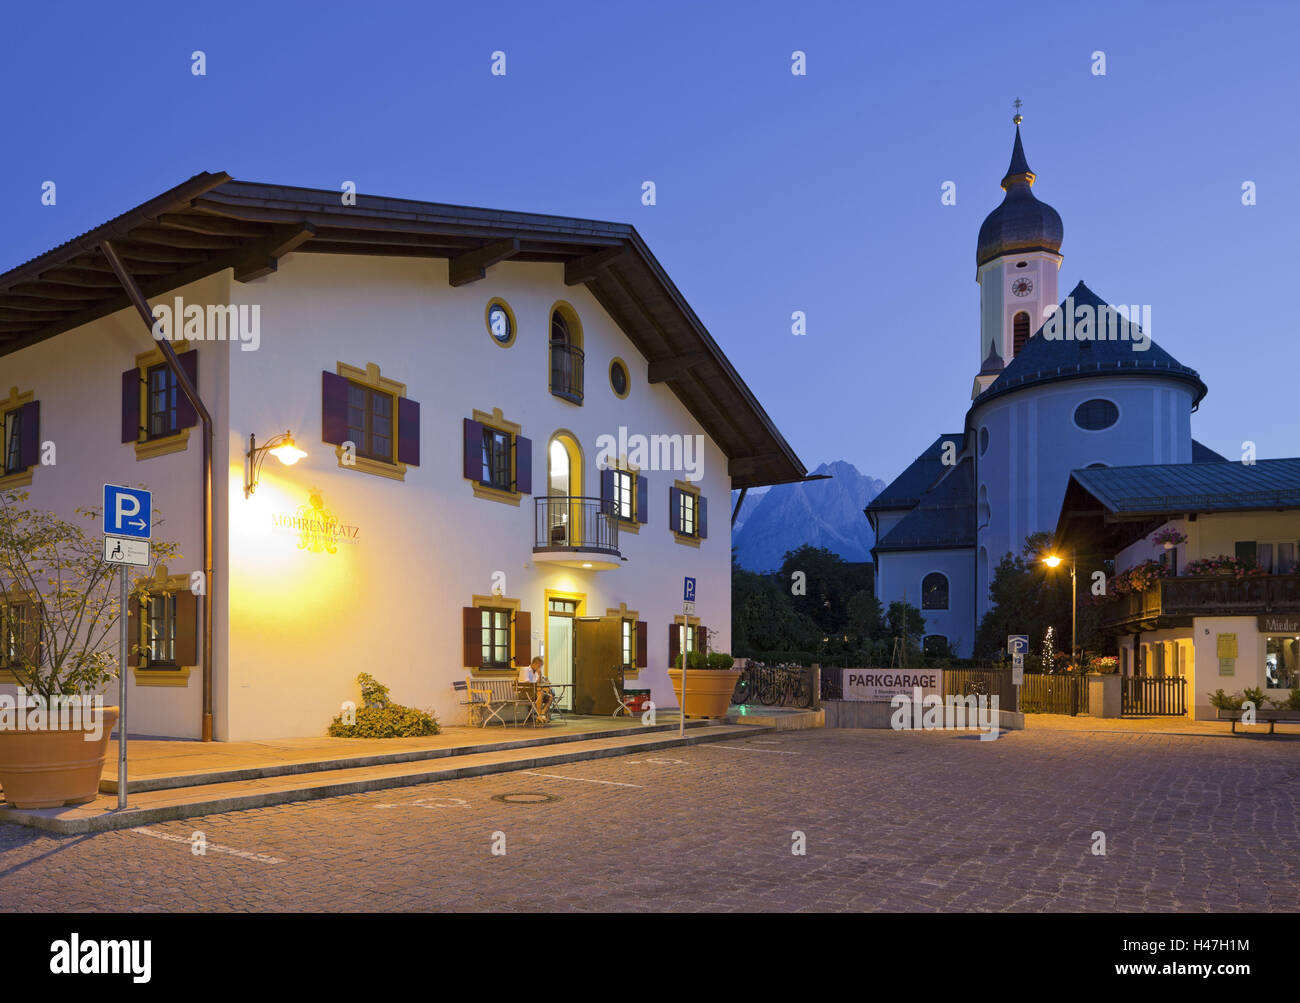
x: 984, y: 440
x: 1096, y: 414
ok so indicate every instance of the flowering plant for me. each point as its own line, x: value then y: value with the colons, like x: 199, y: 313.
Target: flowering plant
x: 1223, y: 564
x: 1104, y: 664
x: 1169, y: 536
x: 1139, y: 578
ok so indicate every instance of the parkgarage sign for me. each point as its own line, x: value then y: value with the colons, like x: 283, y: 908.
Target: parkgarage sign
x: 882, y: 685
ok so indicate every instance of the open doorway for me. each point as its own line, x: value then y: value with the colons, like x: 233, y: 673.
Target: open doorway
x: 562, y: 608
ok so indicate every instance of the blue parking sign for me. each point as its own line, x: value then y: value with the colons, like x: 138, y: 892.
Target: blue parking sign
x: 688, y: 590
x: 1017, y: 644
x: 128, y: 512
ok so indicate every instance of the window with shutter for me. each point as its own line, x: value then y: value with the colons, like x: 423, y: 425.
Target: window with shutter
x: 687, y: 513
x: 498, y: 460
x: 157, y: 415
x: 162, y: 624
x: 20, y: 443
x: 498, y: 634
x: 368, y: 418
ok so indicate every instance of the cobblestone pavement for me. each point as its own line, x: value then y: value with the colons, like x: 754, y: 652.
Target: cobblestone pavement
x: 892, y: 821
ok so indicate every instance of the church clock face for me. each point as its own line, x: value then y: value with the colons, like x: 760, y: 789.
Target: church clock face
x: 1022, y: 287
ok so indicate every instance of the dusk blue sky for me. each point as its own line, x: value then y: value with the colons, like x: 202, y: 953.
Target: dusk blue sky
x: 776, y: 193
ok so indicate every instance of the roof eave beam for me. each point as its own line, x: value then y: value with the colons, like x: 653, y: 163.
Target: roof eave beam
x: 589, y: 267
x: 473, y: 265
x: 265, y: 257
x: 662, y: 370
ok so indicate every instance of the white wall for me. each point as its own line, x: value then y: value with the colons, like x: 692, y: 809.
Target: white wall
x: 76, y: 376
x: 304, y: 624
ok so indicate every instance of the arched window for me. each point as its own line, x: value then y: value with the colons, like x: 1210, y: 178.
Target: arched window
x: 566, y: 356
x: 564, y: 490
x: 934, y: 591
x: 985, y: 512
x: 984, y: 440
x: 1019, y: 331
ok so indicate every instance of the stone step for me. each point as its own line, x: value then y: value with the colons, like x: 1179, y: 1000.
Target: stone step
x: 527, y: 738
x: 162, y: 805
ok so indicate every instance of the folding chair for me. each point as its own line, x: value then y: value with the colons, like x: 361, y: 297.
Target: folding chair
x: 527, y: 695
x: 470, y: 699
x: 624, y: 702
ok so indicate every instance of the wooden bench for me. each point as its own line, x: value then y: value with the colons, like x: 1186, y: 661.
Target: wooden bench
x: 490, y: 697
x: 1272, y: 716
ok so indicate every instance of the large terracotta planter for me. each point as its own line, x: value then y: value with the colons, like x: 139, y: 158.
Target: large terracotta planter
x: 708, y: 691
x: 49, y: 769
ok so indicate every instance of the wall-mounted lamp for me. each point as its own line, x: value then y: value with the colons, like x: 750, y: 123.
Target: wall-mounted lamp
x: 282, y: 447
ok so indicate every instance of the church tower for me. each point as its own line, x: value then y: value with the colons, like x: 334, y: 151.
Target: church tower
x: 1017, y: 259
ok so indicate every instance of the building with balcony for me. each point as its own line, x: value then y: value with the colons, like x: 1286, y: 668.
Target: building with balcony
x: 455, y: 378
x: 1206, y: 580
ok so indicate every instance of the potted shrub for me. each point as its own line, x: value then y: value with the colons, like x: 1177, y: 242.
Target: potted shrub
x: 710, y: 681
x: 1169, y: 537
x: 59, y: 613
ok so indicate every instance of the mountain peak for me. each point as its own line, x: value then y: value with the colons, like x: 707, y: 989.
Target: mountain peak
x: 824, y: 513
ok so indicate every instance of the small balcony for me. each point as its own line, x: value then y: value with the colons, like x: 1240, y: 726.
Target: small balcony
x: 566, y: 371
x: 1180, y: 599
x: 576, y: 533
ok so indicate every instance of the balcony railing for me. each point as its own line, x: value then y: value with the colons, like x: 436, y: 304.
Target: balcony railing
x: 566, y: 371
x: 1218, y: 595
x: 586, y: 524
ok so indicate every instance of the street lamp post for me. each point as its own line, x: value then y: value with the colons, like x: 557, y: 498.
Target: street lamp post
x: 1052, y: 561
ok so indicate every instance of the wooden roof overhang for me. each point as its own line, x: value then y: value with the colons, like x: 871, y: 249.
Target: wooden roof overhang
x: 210, y: 223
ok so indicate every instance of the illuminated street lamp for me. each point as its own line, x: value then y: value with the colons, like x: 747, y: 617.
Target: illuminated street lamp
x: 282, y: 447
x: 1054, y: 561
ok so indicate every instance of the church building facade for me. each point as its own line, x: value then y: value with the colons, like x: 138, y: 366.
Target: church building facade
x: 1062, y: 386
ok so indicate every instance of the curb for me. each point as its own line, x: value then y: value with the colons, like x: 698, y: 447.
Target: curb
x: 110, y: 820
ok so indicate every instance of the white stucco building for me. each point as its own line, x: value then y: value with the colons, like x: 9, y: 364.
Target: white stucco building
x: 519, y: 439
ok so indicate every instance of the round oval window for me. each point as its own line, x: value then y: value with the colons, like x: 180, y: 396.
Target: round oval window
x: 984, y: 441
x: 499, y: 325
x: 618, y: 378
x: 1096, y: 414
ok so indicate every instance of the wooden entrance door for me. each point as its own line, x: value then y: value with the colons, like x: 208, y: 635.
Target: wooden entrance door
x: 597, y: 653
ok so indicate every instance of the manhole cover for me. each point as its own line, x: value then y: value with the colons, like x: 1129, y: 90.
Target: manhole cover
x: 526, y: 797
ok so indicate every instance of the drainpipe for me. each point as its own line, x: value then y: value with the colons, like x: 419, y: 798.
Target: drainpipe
x: 191, y: 392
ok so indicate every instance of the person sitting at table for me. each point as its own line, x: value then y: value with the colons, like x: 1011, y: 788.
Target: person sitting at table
x: 545, y: 696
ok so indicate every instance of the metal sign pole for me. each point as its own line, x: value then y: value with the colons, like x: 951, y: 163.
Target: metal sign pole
x: 681, y: 724
x: 121, y: 695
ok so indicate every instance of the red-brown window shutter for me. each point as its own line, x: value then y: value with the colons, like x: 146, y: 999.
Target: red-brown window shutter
x: 133, y: 630
x: 702, y: 520
x: 473, y: 450
x: 29, y: 438
x: 131, y: 405
x: 32, y: 640
x: 472, y: 624
x: 333, y: 408
x: 523, y: 637
x: 523, y: 465
x: 674, y: 644
x: 186, y: 415
x: 408, y: 432
x: 674, y: 510
x: 642, y: 500
x: 701, y: 638
x: 642, y: 659
x: 187, y: 627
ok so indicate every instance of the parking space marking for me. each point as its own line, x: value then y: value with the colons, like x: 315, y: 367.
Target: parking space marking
x: 261, y: 858
x: 554, y: 776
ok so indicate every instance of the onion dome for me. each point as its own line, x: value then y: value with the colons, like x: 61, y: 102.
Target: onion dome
x: 1021, y: 222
